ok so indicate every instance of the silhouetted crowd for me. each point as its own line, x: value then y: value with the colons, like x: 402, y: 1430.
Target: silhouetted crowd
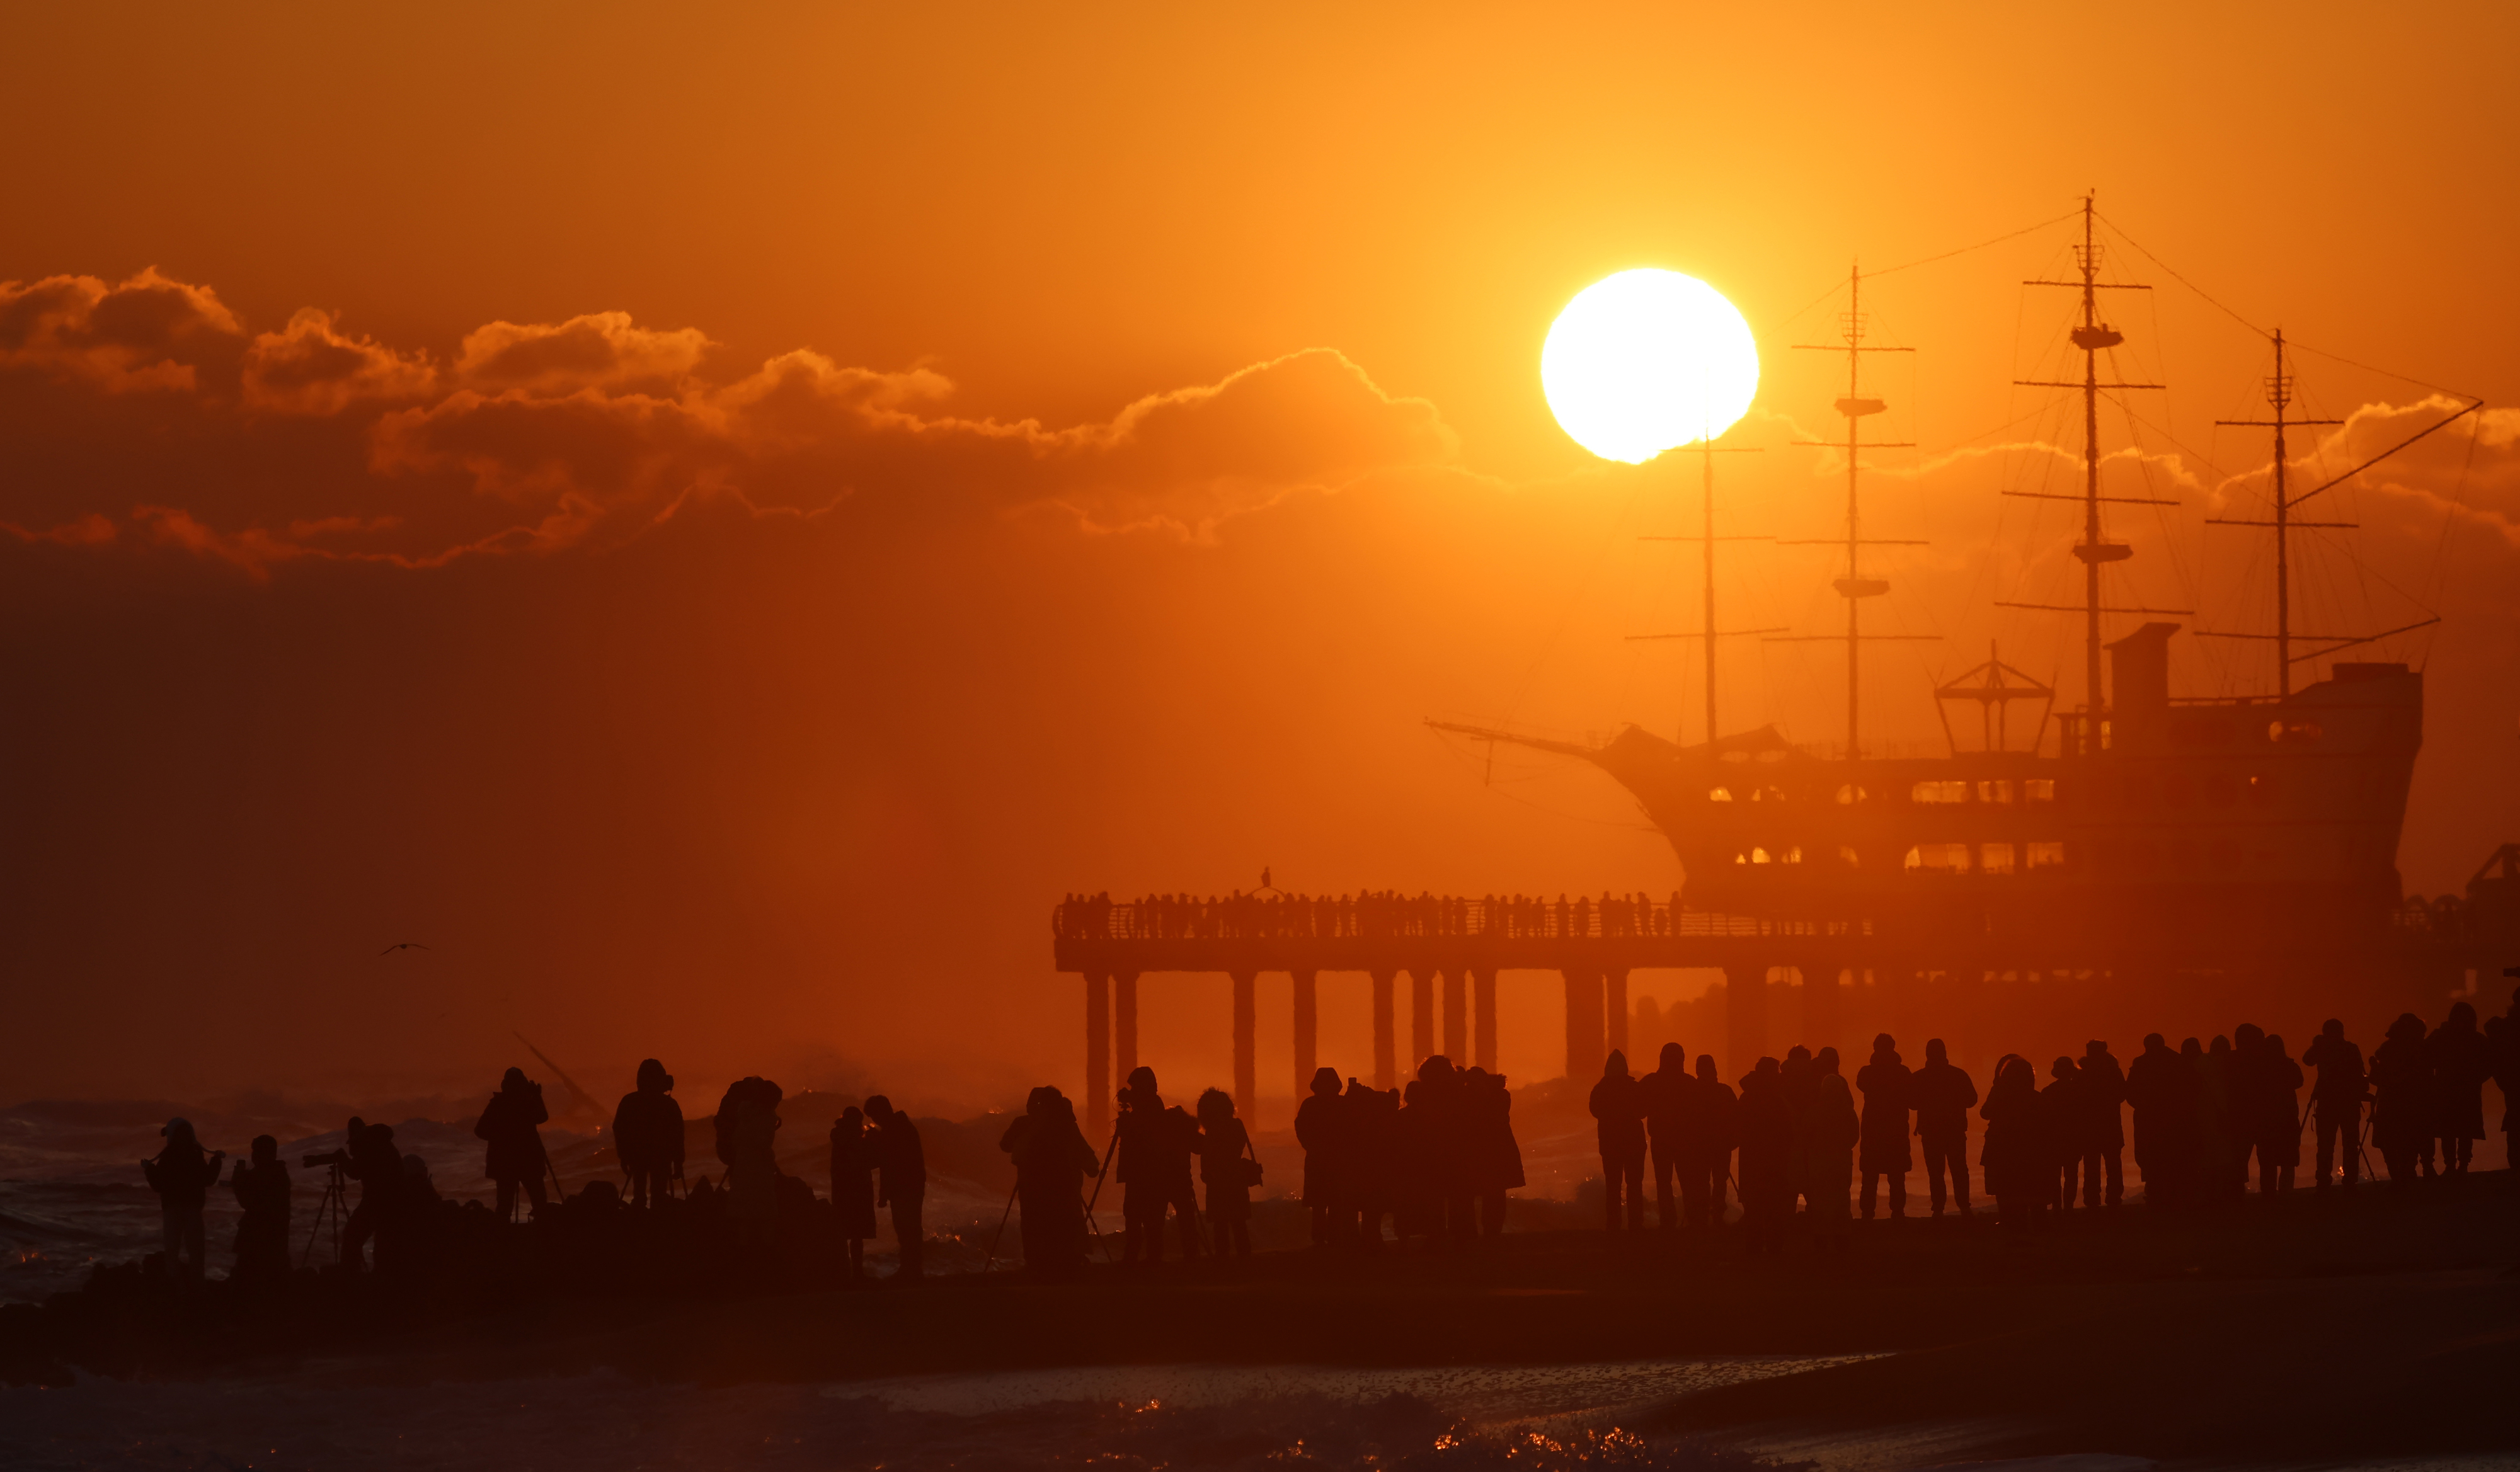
x: 1792, y: 1138
x: 1373, y: 914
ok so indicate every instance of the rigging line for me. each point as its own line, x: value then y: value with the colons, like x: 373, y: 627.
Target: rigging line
x: 2382, y: 372
x: 2120, y: 232
x: 2457, y: 504
x: 1980, y: 246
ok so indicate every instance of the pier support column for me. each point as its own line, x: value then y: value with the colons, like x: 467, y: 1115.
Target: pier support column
x: 1483, y: 985
x: 1583, y: 1047
x: 1615, y: 1005
x: 1746, y: 1018
x: 1421, y: 1016
x: 1246, y: 1052
x: 1124, y: 1022
x: 1384, y: 1042
x: 1097, y: 1053
x: 1457, y: 1020
x: 1308, y: 1032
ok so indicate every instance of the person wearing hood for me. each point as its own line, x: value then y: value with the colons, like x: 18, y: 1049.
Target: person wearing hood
x: 2402, y: 1123
x: 2014, y: 1158
x: 262, y: 1187
x: 2104, y: 1092
x: 647, y: 1136
x: 1671, y: 1100
x: 1496, y: 1158
x: 1620, y: 1110
x: 1714, y: 1131
x: 1322, y: 1128
x: 510, y: 1124
x: 1052, y: 1160
x: 2335, y: 1104
x: 1887, y: 1085
x: 2460, y: 1062
x: 1229, y: 1168
x: 1829, y: 1133
x: 182, y: 1173
x: 1765, y: 1129
x: 2162, y: 1094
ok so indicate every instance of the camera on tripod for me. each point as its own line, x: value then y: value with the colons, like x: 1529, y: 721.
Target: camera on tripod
x: 338, y: 1160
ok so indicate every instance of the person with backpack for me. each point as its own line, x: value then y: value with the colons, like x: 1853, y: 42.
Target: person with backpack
x: 647, y: 1136
x: 1228, y: 1167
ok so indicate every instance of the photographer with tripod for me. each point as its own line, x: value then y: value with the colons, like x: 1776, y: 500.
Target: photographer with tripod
x: 516, y: 1157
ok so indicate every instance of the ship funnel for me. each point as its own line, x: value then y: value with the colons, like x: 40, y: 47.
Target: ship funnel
x: 2140, y: 681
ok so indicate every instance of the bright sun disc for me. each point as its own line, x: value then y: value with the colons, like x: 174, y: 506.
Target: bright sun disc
x: 1645, y: 360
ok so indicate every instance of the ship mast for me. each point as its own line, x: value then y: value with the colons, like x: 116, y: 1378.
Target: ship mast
x: 2093, y: 336
x: 1854, y: 587
x: 1707, y: 451
x: 2280, y: 398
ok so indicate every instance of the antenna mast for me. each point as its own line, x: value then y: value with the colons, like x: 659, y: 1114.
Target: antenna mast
x: 1855, y: 587
x: 1707, y: 451
x: 2093, y: 336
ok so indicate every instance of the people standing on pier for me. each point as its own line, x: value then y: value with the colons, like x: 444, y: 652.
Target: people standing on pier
x: 2063, y: 1120
x: 2336, y: 1103
x: 1322, y: 1128
x: 1830, y: 1132
x: 1620, y: 1131
x: 1377, y: 1122
x: 2460, y: 1062
x: 1766, y: 1123
x: 2272, y: 1094
x: 1228, y: 1169
x: 1051, y: 1159
x: 182, y: 1173
x: 1670, y: 1099
x: 1495, y: 1158
x: 2402, y: 1099
x: 372, y: 1161
x: 747, y: 1145
x: 509, y: 1124
x: 1713, y: 1130
x: 262, y: 1187
x: 853, y: 1162
x: 1887, y: 1085
x: 2162, y: 1093
x: 1943, y: 1095
x: 647, y: 1136
x: 2014, y: 1159
x: 901, y: 1184
x: 2105, y: 1121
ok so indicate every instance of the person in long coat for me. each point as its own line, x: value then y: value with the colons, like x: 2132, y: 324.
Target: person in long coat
x: 1322, y: 1128
x: 1714, y: 1131
x: 1495, y: 1157
x: 1619, y: 1110
x: 2104, y: 1092
x: 182, y: 1173
x: 1228, y: 1169
x: 2014, y: 1158
x: 2402, y: 1099
x: 747, y: 1141
x: 262, y: 1187
x: 1765, y: 1123
x: 1051, y: 1159
x: 2460, y: 1062
x: 2163, y: 1096
x: 1669, y: 1098
x: 1886, y: 1083
x: 508, y: 1123
x: 1829, y: 1134
x: 1943, y: 1095
x: 853, y: 1161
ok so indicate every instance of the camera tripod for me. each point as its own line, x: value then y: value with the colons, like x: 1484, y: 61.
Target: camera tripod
x: 335, y: 1207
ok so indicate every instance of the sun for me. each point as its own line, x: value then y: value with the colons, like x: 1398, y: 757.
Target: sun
x: 1645, y: 360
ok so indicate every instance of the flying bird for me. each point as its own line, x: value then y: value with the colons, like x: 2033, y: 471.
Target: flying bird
x: 402, y: 946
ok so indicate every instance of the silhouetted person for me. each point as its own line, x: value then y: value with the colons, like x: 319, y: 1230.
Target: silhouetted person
x: 2278, y: 1147
x: 181, y: 1174
x: 2402, y: 1113
x: 2336, y: 1103
x: 1051, y: 1159
x: 1670, y: 1096
x: 1943, y: 1095
x: 901, y: 1184
x: 1829, y: 1134
x: 2220, y: 1128
x: 1766, y: 1126
x: 516, y: 1159
x: 1496, y: 1159
x: 2502, y: 1046
x: 1378, y: 1158
x: 1714, y: 1129
x: 1888, y: 1086
x: 1620, y: 1111
x: 261, y: 1186
x: 748, y: 1144
x: 647, y: 1136
x: 1322, y: 1128
x: 2460, y: 1062
x: 1156, y: 1143
x: 2162, y: 1093
x: 2103, y: 1093
x: 853, y: 1164
x: 2062, y: 1116
x: 1229, y: 1170
x: 376, y: 1163
x: 2014, y: 1156
x: 415, y: 1234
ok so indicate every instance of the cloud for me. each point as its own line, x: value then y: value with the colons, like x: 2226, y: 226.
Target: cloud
x: 311, y: 367
x: 148, y: 333
x: 600, y: 350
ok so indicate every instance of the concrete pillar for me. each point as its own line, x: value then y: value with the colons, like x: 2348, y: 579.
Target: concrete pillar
x: 1308, y: 1032
x: 1422, y: 1017
x: 1746, y: 1018
x: 1097, y: 1053
x: 1384, y: 1042
x: 1483, y: 983
x: 1615, y: 1005
x: 1457, y: 1020
x: 1584, y: 1037
x: 1246, y: 1053
x: 1124, y: 1022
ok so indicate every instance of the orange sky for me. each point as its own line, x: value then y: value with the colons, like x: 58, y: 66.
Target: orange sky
x: 773, y: 501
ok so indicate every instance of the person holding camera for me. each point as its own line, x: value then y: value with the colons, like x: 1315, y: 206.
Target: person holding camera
x: 182, y: 1173
x: 1226, y: 1163
x: 516, y: 1155
x: 262, y: 1187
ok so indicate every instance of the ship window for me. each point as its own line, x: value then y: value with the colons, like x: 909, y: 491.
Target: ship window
x: 1758, y: 856
x: 2262, y: 790
x: 2046, y: 855
x: 1719, y: 794
x: 1740, y: 857
x: 1794, y: 855
x: 1851, y: 794
x: 1737, y: 756
x: 1995, y: 858
x: 1939, y: 857
x: 1952, y: 791
x: 1846, y: 856
x: 1999, y: 789
x: 2292, y: 730
x: 2038, y: 789
x: 1776, y: 755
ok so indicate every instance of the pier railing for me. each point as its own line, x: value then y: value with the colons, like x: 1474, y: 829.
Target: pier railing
x: 1386, y: 916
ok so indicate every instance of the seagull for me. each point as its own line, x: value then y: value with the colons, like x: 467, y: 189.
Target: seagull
x: 402, y: 946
